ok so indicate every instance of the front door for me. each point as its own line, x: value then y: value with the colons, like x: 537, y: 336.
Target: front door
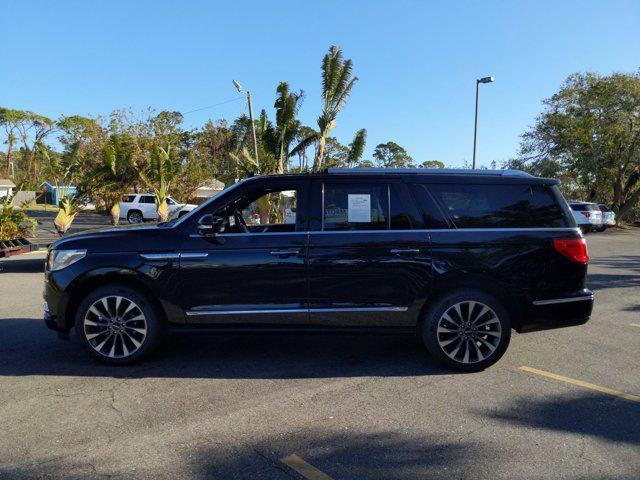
x: 369, y: 264
x: 255, y: 271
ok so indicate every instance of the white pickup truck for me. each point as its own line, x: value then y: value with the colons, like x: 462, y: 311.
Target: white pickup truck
x: 138, y: 207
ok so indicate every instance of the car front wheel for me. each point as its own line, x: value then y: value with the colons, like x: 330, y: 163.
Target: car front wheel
x: 135, y: 217
x: 118, y: 325
x: 466, y: 330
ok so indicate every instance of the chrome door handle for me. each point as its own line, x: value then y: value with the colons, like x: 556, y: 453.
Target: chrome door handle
x: 406, y: 251
x: 285, y: 253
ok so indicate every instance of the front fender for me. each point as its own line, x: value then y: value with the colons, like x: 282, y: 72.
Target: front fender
x: 158, y: 279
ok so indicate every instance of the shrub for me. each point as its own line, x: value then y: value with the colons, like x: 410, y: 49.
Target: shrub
x: 14, y: 222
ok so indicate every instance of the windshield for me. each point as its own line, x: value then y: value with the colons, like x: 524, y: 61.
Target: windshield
x: 196, y: 211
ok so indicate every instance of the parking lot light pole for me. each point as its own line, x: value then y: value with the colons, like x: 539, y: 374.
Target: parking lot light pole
x: 475, y: 128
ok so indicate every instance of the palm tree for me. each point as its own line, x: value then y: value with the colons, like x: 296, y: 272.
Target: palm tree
x: 66, y: 170
x: 356, y: 148
x: 114, y: 175
x: 158, y: 175
x: 287, y: 105
x: 337, y: 82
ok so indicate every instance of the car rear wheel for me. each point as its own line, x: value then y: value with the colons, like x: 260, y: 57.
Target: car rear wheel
x: 466, y: 330
x: 135, y: 217
x: 118, y: 325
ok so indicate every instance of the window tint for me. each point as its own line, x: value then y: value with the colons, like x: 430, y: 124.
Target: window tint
x: 170, y: 202
x: 401, y: 218
x: 128, y: 198
x: 499, y: 206
x: 147, y: 199
x: 355, y: 207
x: 431, y: 215
x: 584, y: 207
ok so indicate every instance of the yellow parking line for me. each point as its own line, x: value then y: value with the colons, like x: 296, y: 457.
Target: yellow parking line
x: 580, y: 383
x: 303, y: 468
x: 635, y: 325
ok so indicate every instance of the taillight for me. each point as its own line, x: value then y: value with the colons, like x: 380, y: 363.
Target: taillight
x: 586, y: 214
x: 575, y: 249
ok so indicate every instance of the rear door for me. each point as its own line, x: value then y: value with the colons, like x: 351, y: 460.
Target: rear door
x: 502, y: 238
x: 368, y: 264
x: 148, y: 206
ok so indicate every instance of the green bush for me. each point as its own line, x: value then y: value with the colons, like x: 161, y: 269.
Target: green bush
x: 14, y: 222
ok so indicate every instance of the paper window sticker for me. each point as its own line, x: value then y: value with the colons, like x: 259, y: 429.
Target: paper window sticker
x: 359, y: 208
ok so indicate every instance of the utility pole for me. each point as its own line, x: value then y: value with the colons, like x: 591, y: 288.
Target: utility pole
x: 475, y: 128
x: 253, y: 125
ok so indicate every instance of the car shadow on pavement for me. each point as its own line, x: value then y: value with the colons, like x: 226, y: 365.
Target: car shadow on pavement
x: 28, y: 348
x: 26, y: 264
x: 585, y: 413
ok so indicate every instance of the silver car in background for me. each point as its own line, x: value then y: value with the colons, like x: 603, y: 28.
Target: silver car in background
x: 587, y: 215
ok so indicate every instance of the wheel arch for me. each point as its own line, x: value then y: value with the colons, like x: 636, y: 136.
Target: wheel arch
x: 94, y: 280
x: 475, y: 281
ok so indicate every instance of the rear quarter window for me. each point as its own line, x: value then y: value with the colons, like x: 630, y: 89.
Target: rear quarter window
x: 499, y: 206
x: 128, y: 198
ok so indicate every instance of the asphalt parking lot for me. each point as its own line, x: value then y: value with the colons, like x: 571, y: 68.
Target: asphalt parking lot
x: 560, y: 404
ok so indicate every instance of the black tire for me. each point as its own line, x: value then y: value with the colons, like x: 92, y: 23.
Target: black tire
x: 129, y: 330
x: 585, y: 229
x: 135, y: 217
x: 600, y: 229
x: 486, y: 334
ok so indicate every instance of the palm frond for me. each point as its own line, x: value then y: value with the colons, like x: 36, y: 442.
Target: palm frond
x: 356, y: 147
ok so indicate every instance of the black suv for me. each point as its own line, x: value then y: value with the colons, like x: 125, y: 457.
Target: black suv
x: 458, y: 257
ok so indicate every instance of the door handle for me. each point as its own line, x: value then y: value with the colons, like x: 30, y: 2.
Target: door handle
x: 406, y: 251
x: 285, y: 253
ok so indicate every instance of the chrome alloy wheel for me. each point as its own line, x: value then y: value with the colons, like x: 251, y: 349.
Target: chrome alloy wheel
x: 469, y: 332
x: 115, y: 326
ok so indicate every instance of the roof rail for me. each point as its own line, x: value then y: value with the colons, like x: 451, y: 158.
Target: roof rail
x: 441, y: 171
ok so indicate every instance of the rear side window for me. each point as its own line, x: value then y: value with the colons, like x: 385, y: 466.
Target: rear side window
x: 128, y: 198
x: 147, y: 199
x: 499, y: 206
x: 355, y: 207
x: 431, y: 215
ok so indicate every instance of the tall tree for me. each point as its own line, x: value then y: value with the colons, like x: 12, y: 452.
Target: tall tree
x: 157, y: 174
x: 31, y: 129
x: 392, y: 155
x: 589, y: 134
x: 337, y: 83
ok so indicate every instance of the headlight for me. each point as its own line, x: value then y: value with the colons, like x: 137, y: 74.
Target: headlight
x: 59, y: 259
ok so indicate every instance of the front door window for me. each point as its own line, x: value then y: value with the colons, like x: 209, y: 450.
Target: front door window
x: 264, y: 212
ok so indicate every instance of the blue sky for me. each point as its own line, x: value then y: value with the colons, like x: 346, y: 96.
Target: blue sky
x: 417, y: 61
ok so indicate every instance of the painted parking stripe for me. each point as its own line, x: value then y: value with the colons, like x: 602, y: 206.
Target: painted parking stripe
x: 635, y: 325
x: 580, y: 383
x: 305, y: 469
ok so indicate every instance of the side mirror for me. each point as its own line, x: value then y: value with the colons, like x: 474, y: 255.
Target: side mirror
x: 209, y: 225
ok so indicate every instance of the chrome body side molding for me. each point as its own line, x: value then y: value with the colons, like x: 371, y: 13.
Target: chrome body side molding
x: 563, y: 300
x: 192, y: 313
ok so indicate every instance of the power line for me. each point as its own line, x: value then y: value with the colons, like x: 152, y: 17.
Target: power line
x: 235, y: 99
